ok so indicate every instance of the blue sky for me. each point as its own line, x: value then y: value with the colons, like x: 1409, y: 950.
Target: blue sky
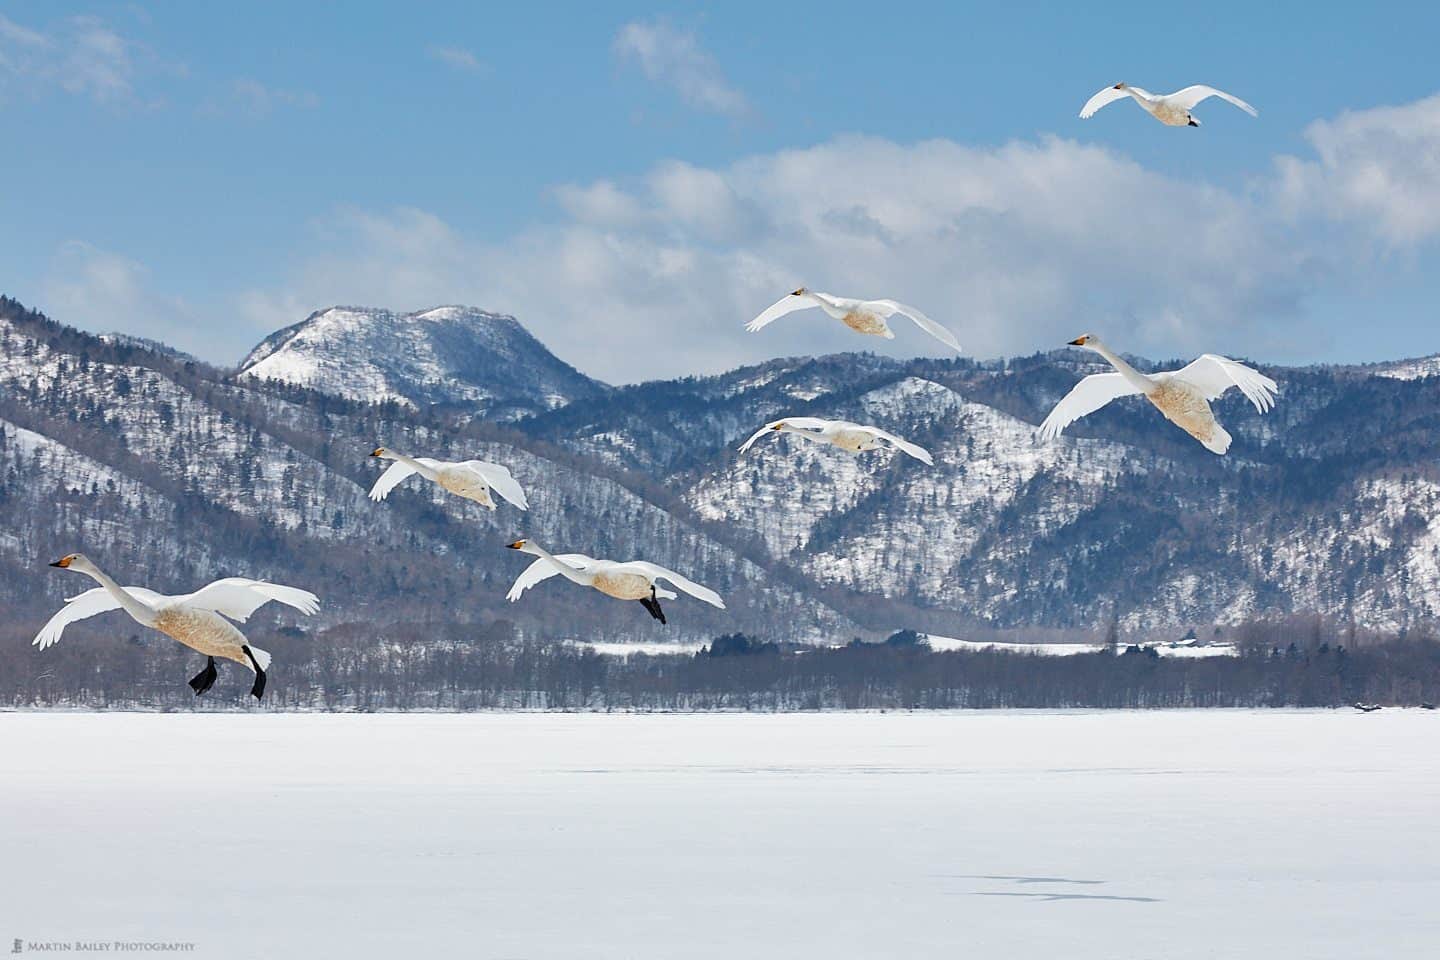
x: 656, y: 174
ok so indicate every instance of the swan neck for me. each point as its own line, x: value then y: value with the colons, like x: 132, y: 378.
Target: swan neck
x: 415, y: 465
x: 829, y: 304
x: 128, y: 602
x: 1132, y: 376
x: 567, y: 571
x: 807, y: 434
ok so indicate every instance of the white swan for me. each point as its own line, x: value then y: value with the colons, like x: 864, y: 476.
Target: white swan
x: 634, y: 580
x: 1171, y: 109
x: 193, y: 618
x: 1183, y: 395
x: 851, y: 437
x: 471, y: 479
x: 862, y: 316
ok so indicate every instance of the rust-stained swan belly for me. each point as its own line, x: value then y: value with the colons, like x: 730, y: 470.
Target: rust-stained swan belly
x: 1187, y: 408
x: 203, y: 631
x: 1172, y: 116
x: 862, y: 321
x: 462, y: 483
x: 852, y: 440
x: 622, y: 586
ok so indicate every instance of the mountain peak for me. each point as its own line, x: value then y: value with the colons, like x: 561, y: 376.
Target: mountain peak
x: 452, y: 355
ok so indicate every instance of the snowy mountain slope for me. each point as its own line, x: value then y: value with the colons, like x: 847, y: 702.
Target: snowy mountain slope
x: 1122, y: 513
x: 1409, y: 369
x: 177, y: 472
x: 482, y: 361
x: 171, y: 475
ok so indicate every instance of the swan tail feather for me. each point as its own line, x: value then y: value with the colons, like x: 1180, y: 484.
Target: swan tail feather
x: 1219, y: 440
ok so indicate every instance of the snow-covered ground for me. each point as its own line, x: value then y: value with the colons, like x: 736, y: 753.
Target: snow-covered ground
x: 1070, y: 649
x: 993, y: 834
x: 630, y: 648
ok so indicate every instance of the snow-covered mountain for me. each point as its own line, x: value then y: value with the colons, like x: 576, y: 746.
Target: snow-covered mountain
x: 485, y: 362
x: 173, y: 472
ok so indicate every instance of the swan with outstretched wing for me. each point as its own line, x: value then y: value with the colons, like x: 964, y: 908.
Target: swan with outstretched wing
x: 197, y: 619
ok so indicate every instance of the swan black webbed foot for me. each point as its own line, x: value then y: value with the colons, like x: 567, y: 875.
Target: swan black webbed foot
x: 258, y: 690
x: 652, y: 604
x: 205, y: 679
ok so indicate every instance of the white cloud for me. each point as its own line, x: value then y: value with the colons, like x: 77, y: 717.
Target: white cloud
x: 81, y: 55
x: 457, y: 57
x: 1018, y: 247
x: 103, y: 291
x: 1378, y: 168
x: 674, y: 57
x: 258, y: 100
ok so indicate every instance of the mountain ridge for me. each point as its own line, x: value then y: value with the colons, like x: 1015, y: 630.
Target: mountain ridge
x: 445, y: 355
x: 178, y: 471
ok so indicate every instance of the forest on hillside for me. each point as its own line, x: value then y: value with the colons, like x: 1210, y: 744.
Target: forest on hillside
x: 445, y: 666
x: 170, y: 472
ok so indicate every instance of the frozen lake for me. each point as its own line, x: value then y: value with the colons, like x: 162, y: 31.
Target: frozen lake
x: 1016, y: 835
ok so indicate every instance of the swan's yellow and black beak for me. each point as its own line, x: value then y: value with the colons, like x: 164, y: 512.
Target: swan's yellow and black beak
x: 63, y: 562
x: 1080, y: 341
x: 518, y: 544
x: 778, y: 425
x: 798, y: 293
x: 1119, y: 86
x: 378, y: 452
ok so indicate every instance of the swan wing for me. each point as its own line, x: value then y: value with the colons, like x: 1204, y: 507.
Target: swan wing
x: 804, y: 423
x: 85, y: 605
x: 914, y: 449
x: 890, y: 307
x: 756, y: 436
x: 1213, y: 375
x: 238, y: 597
x: 656, y: 572
x: 1187, y: 99
x: 1106, y: 96
x: 500, y: 481
x: 398, y: 471
x: 1087, y: 396
x: 543, y: 569
x: 786, y: 304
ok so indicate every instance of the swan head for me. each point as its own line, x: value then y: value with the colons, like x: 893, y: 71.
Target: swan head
x: 380, y: 452
x: 75, y: 561
x: 1087, y: 340
x: 1120, y: 86
x: 524, y: 546
x: 799, y: 292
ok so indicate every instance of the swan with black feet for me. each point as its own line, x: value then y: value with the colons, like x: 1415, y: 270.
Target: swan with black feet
x: 853, y: 438
x: 862, y: 316
x: 471, y: 479
x: 632, y: 580
x: 1171, y: 109
x: 1183, y: 395
x: 195, y: 619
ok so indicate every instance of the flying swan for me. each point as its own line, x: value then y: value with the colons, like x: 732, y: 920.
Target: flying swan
x: 1183, y: 395
x: 634, y: 580
x: 862, y: 316
x: 851, y: 437
x: 471, y: 479
x: 195, y: 619
x: 1171, y: 109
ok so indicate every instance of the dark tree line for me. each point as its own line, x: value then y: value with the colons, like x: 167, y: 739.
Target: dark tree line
x: 447, y: 666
